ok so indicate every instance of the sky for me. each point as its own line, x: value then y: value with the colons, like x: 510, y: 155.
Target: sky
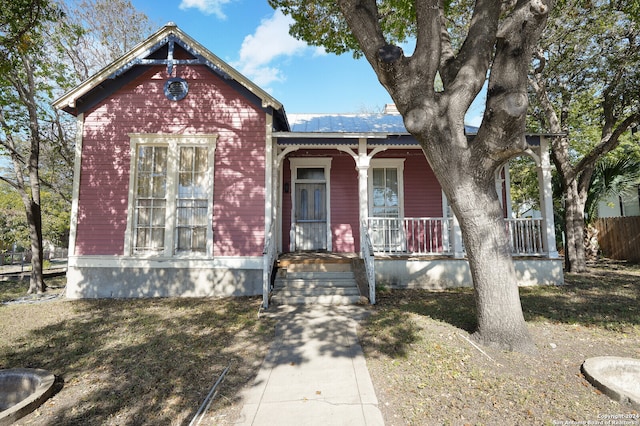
x: 253, y: 38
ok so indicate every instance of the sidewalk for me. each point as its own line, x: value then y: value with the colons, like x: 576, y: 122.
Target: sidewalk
x: 315, y: 372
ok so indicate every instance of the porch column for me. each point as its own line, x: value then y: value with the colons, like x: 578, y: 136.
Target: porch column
x: 363, y: 162
x: 455, y: 233
x: 458, y: 250
x: 546, y: 200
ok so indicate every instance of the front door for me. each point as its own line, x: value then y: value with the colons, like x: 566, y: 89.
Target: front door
x: 310, y: 218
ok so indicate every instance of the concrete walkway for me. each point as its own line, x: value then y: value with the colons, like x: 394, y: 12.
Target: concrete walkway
x: 315, y: 372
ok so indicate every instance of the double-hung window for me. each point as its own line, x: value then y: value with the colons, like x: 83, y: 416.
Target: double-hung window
x: 171, y: 195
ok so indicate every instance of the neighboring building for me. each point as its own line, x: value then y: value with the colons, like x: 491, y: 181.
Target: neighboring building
x: 620, y: 206
x: 190, y: 180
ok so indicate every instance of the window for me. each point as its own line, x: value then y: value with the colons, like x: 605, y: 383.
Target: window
x: 171, y: 195
x: 386, y: 204
x: 151, y: 199
x: 386, y: 188
x: 385, y: 195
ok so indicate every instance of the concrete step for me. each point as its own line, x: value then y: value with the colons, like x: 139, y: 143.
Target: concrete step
x: 332, y: 299
x: 319, y: 283
x: 316, y: 267
x: 314, y: 275
x: 319, y: 291
x: 315, y: 285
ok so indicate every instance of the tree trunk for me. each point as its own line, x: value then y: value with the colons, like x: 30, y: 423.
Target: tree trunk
x: 34, y: 218
x: 499, y: 311
x: 575, y: 256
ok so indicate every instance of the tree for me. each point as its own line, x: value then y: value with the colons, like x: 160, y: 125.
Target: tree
x: 34, y: 72
x: 587, y: 85
x: 498, y: 41
x: 22, y: 86
x: 97, y: 32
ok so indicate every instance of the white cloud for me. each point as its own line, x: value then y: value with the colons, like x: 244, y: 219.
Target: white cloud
x: 208, y: 7
x: 269, y: 42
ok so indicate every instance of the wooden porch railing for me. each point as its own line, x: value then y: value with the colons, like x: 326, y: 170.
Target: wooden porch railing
x: 433, y: 235
x: 525, y: 236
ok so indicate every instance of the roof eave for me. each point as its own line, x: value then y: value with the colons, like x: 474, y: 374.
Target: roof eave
x: 337, y: 135
x: 69, y: 99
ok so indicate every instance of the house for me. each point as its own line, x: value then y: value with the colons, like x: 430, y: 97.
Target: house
x: 620, y: 206
x: 190, y: 181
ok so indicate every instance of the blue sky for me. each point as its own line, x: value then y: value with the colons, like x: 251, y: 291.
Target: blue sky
x: 254, y: 39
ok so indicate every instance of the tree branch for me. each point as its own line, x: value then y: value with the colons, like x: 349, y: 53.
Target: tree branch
x: 464, y: 75
x: 507, y: 99
x: 426, y: 59
x: 608, y: 142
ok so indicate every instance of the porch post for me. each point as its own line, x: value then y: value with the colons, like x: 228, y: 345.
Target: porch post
x: 362, y: 165
x: 458, y: 251
x: 455, y: 233
x: 546, y: 200
x: 268, y: 252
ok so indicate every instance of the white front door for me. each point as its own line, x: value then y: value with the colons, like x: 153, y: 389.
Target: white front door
x: 310, y: 218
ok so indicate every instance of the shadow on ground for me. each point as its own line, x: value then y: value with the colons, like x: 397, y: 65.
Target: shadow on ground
x: 144, y: 361
x: 606, y: 296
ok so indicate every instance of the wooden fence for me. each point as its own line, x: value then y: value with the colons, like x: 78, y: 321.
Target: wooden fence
x: 619, y: 237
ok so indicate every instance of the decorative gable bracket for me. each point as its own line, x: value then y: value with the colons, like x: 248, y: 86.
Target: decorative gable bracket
x: 171, y: 40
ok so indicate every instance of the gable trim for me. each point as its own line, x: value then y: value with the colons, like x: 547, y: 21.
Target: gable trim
x: 170, y: 33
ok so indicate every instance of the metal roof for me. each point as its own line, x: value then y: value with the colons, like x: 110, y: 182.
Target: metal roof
x: 352, y: 123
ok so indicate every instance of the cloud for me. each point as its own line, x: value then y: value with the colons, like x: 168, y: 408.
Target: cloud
x: 208, y: 7
x: 269, y: 42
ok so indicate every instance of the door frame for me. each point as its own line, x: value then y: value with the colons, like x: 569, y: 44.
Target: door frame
x: 303, y: 163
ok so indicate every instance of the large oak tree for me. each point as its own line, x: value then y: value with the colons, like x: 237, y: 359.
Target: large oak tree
x: 496, y: 41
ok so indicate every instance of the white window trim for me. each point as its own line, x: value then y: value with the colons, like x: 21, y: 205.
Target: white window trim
x: 387, y: 163
x: 297, y: 163
x: 173, y: 142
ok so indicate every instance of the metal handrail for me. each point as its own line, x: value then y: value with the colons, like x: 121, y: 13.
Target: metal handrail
x: 269, y: 254
x: 366, y: 252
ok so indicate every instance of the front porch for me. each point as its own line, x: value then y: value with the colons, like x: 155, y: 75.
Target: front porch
x: 345, y: 184
x: 437, y: 269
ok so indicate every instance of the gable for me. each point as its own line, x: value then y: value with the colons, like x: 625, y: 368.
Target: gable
x: 168, y: 47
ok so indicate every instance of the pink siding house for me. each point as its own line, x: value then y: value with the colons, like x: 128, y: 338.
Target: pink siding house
x: 190, y: 181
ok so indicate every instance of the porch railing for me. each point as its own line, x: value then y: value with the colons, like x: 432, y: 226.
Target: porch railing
x: 434, y: 235
x: 415, y: 235
x: 369, y: 263
x: 525, y: 236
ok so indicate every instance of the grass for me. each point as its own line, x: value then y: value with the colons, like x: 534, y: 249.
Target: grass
x: 144, y: 361
x: 427, y: 371
x: 152, y: 361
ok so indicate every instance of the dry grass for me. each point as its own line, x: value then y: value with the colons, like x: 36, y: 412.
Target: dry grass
x: 426, y: 372
x: 152, y: 361
x: 126, y: 362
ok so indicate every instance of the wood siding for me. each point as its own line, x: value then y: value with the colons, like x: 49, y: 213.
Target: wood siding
x: 211, y: 107
x: 422, y: 195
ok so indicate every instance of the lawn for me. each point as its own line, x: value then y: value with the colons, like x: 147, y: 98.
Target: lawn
x: 153, y: 361
x: 427, y: 372
x: 144, y: 361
